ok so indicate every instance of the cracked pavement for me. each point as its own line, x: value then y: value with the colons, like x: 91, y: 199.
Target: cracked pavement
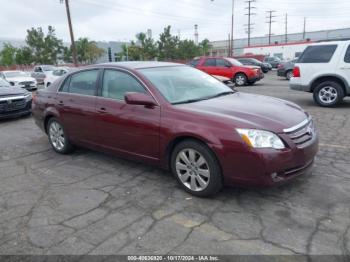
x: 92, y: 203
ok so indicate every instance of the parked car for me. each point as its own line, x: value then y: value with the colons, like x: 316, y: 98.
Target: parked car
x: 229, y: 67
x: 55, y: 74
x: 254, y: 62
x: 20, y: 79
x: 177, y: 117
x: 227, y: 81
x: 14, y: 100
x: 274, y: 61
x: 41, y: 71
x: 285, y: 69
x: 324, y: 70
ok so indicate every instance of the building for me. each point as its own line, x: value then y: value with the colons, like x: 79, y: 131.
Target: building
x: 296, y: 43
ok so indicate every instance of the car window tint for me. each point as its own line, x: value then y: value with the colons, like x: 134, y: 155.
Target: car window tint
x: 317, y: 54
x: 64, y: 87
x: 194, y: 62
x: 117, y: 83
x: 221, y: 62
x: 347, y: 55
x: 83, y: 83
x: 210, y: 62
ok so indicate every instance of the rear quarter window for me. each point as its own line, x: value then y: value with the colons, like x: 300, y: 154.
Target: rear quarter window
x: 317, y: 54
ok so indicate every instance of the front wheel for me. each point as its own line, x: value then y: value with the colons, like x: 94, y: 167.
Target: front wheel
x: 240, y: 79
x: 328, y: 94
x: 196, y: 168
x: 58, y: 137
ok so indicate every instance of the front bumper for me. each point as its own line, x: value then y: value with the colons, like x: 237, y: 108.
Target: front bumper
x: 265, y: 167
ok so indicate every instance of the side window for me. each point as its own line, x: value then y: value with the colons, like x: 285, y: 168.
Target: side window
x: 210, y: 62
x: 317, y: 54
x: 117, y: 83
x: 38, y: 69
x: 194, y: 62
x: 83, y: 83
x: 347, y: 55
x: 222, y: 63
x: 64, y: 87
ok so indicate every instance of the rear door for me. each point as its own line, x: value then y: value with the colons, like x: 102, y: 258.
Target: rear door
x: 208, y: 66
x: 76, y: 103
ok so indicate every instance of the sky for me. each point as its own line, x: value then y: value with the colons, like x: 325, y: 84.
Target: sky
x: 121, y: 20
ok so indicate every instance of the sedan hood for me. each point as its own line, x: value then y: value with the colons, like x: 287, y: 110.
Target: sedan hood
x: 21, y: 79
x: 252, y: 111
x: 12, y: 90
x: 252, y: 66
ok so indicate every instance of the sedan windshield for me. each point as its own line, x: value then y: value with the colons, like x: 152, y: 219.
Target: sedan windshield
x: 3, y: 83
x: 15, y: 74
x: 184, y: 84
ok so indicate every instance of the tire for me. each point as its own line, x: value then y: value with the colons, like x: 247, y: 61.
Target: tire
x: 289, y: 74
x: 58, y: 137
x: 328, y: 94
x: 200, y: 177
x: 240, y: 79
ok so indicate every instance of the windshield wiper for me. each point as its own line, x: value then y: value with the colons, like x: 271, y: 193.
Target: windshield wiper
x: 203, y: 98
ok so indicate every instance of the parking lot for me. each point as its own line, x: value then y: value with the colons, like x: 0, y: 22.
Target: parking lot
x: 92, y: 203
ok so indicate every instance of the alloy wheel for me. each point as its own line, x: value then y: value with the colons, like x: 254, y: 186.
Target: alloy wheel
x: 240, y: 80
x: 57, y: 136
x: 192, y: 169
x: 328, y: 94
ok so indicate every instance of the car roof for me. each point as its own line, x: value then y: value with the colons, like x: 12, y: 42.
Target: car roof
x: 9, y: 71
x: 331, y: 42
x: 140, y: 64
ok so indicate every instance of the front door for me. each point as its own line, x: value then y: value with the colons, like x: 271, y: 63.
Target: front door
x: 126, y: 128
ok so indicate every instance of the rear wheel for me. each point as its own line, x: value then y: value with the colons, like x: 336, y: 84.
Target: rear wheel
x: 289, y: 74
x: 196, y: 168
x: 328, y: 94
x: 240, y: 79
x: 58, y: 137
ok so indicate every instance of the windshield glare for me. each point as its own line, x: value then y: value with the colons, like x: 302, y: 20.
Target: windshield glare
x: 179, y: 84
x: 15, y: 74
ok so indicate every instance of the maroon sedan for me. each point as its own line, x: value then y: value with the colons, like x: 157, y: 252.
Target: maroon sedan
x: 177, y: 117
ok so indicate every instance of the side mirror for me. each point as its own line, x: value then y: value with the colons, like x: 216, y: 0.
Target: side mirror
x: 136, y: 98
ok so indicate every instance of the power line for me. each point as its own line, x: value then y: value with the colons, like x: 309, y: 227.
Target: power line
x: 270, y: 21
x: 249, y: 14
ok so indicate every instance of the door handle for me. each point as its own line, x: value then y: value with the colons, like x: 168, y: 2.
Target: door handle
x: 345, y: 67
x: 60, y: 103
x: 102, y: 110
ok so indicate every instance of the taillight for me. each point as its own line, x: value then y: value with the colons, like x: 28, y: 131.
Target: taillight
x: 296, y: 71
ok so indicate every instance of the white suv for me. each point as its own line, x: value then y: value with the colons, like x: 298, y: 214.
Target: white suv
x: 324, y: 70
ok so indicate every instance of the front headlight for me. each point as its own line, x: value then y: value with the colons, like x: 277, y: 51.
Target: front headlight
x: 260, y: 138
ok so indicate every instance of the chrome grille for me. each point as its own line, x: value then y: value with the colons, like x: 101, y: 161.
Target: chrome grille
x: 26, y: 83
x: 12, y: 105
x: 303, y: 134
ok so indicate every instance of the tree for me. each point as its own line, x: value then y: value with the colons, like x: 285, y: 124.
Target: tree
x: 24, y: 56
x: 7, y: 55
x: 148, y: 49
x: 205, y: 46
x: 45, y: 48
x: 87, y: 51
x: 187, y: 49
x: 167, y: 45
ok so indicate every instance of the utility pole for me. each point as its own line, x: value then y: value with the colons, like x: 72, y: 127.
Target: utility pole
x: 286, y: 29
x: 229, y: 50
x: 196, y: 34
x: 304, y: 30
x: 231, y: 45
x: 249, y: 14
x: 74, y: 50
x: 269, y: 21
